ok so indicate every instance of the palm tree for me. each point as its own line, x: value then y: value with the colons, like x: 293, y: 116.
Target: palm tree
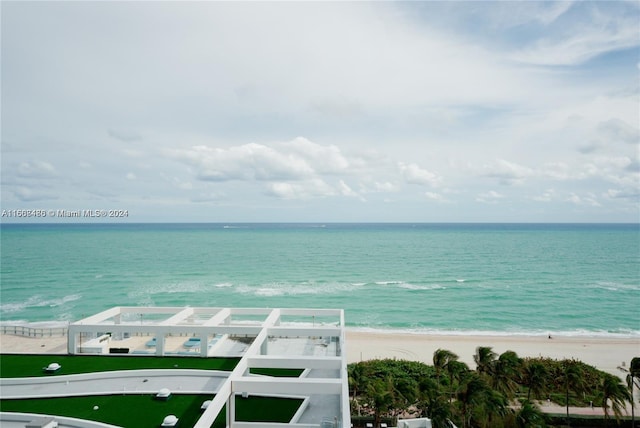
x: 495, y: 404
x: 571, y: 378
x: 456, y: 370
x: 357, y: 381
x: 356, y: 377
x: 471, y: 392
x: 536, y: 378
x: 614, y: 392
x: 530, y: 416
x: 380, y: 394
x: 505, y: 373
x: 441, y: 358
x: 633, y: 380
x: 406, y: 394
x: 484, y: 359
x: 439, y: 411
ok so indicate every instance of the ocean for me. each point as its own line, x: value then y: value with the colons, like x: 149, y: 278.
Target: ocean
x: 561, y: 279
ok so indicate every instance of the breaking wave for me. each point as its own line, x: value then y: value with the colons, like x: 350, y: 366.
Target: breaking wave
x: 38, y: 302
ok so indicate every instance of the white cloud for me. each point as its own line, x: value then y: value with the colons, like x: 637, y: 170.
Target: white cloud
x: 322, y: 159
x: 204, y: 197
x: 547, y: 196
x: 489, y: 197
x: 578, y: 49
x: 634, y: 194
x: 509, y: 15
x: 386, y: 187
x: 247, y: 162
x: 300, y: 190
x: 36, y: 169
x: 345, y: 190
x: 26, y: 194
x: 588, y: 200
x: 606, y: 31
x: 300, y: 169
x: 385, y: 100
x: 557, y: 170
x: 615, y: 130
x: 414, y: 174
x: 436, y: 197
x: 507, y: 172
x: 552, y: 12
x: 124, y: 135
x: 178, y: 183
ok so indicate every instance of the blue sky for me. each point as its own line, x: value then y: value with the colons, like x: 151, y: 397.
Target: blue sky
x: 323, y: 111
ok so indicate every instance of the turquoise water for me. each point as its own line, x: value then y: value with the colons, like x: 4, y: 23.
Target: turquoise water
x: 449, y: 278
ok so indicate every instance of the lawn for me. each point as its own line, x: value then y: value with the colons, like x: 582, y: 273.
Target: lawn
x: 28, y: 365
x: 144, y: 411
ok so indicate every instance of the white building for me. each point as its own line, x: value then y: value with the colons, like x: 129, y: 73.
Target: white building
x: 309, y: 339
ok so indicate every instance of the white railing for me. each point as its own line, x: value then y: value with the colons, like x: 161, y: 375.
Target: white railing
x: 21, y: 330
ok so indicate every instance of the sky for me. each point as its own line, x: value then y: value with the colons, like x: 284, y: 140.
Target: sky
x: 321, y: 111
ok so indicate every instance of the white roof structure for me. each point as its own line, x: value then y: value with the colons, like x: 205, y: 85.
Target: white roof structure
x: 309, y: 339
x: 53, y: 367
x: 169, y: 421
x: 414, y: 423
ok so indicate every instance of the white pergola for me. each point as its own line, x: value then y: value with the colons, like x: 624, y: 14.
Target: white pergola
x: 265, y: 326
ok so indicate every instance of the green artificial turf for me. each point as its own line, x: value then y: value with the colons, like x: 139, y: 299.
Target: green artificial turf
x: 144, y: 411
x: 276, y: 372
x: 266, y: 409
x: 139, y: 411
x: 27, y: 365
x: 130, y: 411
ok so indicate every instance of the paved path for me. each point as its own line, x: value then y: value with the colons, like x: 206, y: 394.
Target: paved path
x: 554, y: 409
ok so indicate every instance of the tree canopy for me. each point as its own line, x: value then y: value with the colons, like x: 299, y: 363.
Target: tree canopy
x: 500, y: 393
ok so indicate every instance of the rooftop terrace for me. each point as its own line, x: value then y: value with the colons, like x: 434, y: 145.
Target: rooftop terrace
x: 311, y: 340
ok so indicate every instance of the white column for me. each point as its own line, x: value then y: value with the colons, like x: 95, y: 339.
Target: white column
x: 231, y: 410
x: 204, y: 344
x: 160, y: 343
x: 71, y: 341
